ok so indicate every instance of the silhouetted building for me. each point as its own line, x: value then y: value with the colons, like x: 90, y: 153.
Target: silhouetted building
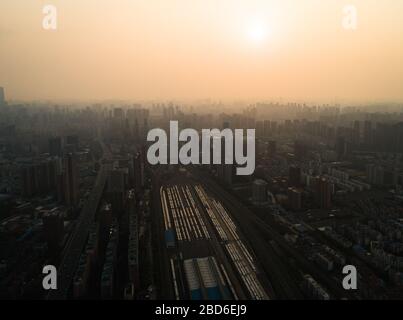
x: 381, y: 176
x: 341, y: 147
x: 28, y: 179
x: 294, y: 176
x: 266, y: 128
x: 368, y: 136
x: 272, y: 148
x: 53, y: 228
x: 2, y: 96
x: 259, y: 191
x: 356, y: 133
x: 300, y: 149
x: 138, y: 164
x: 116, y: 190
x: 224, y: 173
x: 273, y: 127
x: 72, y: 142
x: 294, y: 198
x: 55, y: 146
x: 39, y: 178
x: 118, y: 113
x: 324, y: 193
x: 46, y: 172
x: 70, y: 180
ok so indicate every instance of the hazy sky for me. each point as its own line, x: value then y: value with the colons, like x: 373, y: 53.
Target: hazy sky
x: 190, y: 49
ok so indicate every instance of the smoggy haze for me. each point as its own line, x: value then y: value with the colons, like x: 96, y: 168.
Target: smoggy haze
x: 228, y: 49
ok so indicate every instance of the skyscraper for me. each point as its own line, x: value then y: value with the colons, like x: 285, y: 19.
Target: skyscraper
x: 28, y: 180
x: 138, y: 163
x: 294, y: 176
x: 53, y: 229
x: 259, y: 191
x: 70, y: 180
x: 2, y: 96
x: 324, y: 193
x: 300, y: 149
x: 225, y: 170
x: 55, y: 146
x: 73, y: 141
x: 117, y: 190
x: 356, y: 132
x: 341, y: 147
x: 294, y: 198
x: 368, y: 133
x: 272, y: 148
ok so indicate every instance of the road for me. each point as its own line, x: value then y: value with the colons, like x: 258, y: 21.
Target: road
x: 75, y: 246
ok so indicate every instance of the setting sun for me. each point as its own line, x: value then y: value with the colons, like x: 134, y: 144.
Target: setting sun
x: 257, y: 31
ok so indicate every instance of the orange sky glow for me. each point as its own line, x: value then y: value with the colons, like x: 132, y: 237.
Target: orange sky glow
x: 193, y: 49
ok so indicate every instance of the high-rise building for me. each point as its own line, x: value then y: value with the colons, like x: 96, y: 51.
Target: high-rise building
x: 225, y: 170
x: 294, y: 198
x: 55, y: 146
x: 28, y: 181
x: 39, y: 177
x: 273, y: 127
x: 225, y: 173
x: 2, y: 96
x: 266, y: 128
x: 368, y: 133
x: 294, y: 176
x: 259, y: 191
x: 73, y: 141
x: 43, y: 177
x: 324, y: 193
x: 356, y: 132
x: 53, y: 228
x: 259, y: 129
x: 272, y: 148
x: 300, y: 149
x: 341, y: 147
x: 118, y: 113
x: 70, y: 180
x: 116, y: 190
x: 55, y: 169
x: 138, y: 164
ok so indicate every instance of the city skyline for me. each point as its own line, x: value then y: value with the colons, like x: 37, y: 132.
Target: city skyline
x: 167, y: 152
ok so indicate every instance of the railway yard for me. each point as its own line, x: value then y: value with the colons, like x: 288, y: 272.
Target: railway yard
x: 207, y: 255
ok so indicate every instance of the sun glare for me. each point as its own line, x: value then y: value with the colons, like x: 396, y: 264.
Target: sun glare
x: 257, y: 31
